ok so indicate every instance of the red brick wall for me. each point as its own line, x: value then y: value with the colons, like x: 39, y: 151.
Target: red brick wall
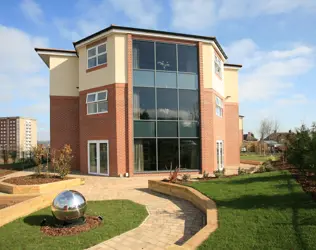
x: 64, y: 124
x: 107, y: 126
x: 232, y: 134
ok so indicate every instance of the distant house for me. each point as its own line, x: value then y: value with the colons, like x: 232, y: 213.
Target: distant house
x: 279, y: 137
x: 249, y: 137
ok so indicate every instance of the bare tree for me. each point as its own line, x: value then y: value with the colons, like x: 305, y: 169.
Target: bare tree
x: 266, y: 128
x: 276, y: 126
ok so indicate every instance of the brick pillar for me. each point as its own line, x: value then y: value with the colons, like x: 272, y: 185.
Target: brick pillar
x: 129, y: 134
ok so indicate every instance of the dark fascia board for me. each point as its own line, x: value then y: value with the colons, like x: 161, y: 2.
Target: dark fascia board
x: 210, y: 38
x: 233, y: 65
x: 241, y: 116
x: 55, y: 50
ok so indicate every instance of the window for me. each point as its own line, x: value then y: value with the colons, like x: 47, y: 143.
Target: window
x: 218, y: 66
x: 97, y: 55
x: 219, y: 107
x: 220, y: 154
x: 187, y: 58
x: 143, y: 55
x: 166, y: 57
x: 97, y: 102
x: 144, y: 104
x: 167, y: 104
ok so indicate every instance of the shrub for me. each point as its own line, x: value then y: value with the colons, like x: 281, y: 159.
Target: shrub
x: 242, y: 171
x: 205, y: 174
x: 219, y: 173
x: 13, y: 155
x: 38, y: 152
x: 186, y: 177
x: 62, y: 161
x: 265, y: 167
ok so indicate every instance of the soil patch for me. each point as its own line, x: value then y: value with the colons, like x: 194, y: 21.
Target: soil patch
x: 4, y: 172
x: 91, y: 223
x: 34, y: 179
x: 8, y: 204
x: 306, y: 179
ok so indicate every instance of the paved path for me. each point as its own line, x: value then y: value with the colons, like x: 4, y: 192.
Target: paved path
x: 170, y: 220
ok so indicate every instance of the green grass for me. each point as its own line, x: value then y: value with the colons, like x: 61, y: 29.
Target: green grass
x: 261, y: 211
x: 119, y: 216
x: 255, y: 157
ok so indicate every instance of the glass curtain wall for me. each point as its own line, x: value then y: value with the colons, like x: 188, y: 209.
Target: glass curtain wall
x: 166, y: 109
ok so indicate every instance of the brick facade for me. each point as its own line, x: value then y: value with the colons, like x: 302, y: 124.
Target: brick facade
x: 107, y: 126
x: 64, y: 125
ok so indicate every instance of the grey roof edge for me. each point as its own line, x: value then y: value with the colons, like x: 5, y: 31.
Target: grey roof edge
x: 151, y: 31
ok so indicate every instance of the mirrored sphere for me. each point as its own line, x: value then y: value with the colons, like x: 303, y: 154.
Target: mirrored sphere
x: 69, y: 205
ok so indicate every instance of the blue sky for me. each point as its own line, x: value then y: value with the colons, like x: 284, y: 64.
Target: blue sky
x: 275, y: 40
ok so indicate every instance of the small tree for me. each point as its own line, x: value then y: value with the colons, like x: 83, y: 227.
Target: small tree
x: 13, y: 155
x: 38, y: 152
x: 5, y: 156
x: 266, y: 128
x: 61, y: 160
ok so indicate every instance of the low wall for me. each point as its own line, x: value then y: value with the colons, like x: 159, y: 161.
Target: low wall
x: 25, y: 207
x: 251, y: 162
x: 40, y: 188
x: 201, y: 201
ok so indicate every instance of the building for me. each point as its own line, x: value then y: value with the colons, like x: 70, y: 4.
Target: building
x: 18, y: 134
x: 241, y: 129
x: 142, y: 101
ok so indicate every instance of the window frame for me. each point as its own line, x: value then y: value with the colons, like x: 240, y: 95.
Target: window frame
x: 219, y: 104
x: 218, y: 63
x: 97, y: 55
x: 97, y: 101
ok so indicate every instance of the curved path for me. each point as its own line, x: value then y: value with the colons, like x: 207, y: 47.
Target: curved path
x: 170, y: 220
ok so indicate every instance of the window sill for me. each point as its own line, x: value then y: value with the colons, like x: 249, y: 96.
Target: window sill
x: 96, y: 67
x: 98, y: 114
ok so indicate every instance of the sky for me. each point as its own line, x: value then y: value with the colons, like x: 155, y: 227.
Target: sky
x: 274, y: 40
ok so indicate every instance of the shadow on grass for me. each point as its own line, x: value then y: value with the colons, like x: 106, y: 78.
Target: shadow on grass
x: 36, y: 220
x: 259, y: 178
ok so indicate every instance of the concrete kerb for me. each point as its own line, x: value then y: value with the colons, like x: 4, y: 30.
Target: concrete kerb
x: 202, y: 202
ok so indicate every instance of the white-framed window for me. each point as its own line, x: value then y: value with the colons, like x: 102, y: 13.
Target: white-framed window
x: 219, y: 106
x: 97, y: 55
x: 218, y: 66
x: 97, y: 102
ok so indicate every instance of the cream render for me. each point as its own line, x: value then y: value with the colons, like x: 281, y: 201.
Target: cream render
x: 64, y: 76
x: 231, y: 84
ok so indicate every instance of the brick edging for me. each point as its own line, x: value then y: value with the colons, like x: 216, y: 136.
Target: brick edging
x: 202, y: 202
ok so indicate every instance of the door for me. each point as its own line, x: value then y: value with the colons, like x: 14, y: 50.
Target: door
x: 98, y: 157
x: 220, y: 155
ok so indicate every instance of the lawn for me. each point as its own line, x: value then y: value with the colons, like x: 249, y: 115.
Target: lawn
x: 261, y: 211
x: 119, y: 216
x: 256, y: 157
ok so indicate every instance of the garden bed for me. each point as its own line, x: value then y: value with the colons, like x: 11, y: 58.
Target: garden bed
x: 37, y: 185
x: 35, y: 179
x: 4, y: 172
x: 119, y: 216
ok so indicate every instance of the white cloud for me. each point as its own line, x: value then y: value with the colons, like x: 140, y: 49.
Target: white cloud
x: 94, y: 17
x: 296, y: 99
x: 266, y: 74
x: 203, y: 14
x: 24, y: 88
x: 32, y: 11
x: 193, y: 14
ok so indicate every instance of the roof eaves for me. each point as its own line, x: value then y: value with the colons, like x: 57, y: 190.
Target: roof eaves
x: 151, y: 31
x: 232, y: 65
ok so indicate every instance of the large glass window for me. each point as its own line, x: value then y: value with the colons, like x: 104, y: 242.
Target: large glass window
x: 189, y: 105
x: 144, y: 104
x: 187, y: 58
x: 166, y: 108
x: 189, y: 154
x: 166, y: 57
x: 167, y: 104
x: 168, y: 154
x: 143, y: 55
x: 144, y: 155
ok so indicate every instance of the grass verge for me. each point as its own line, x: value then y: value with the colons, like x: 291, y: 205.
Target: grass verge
x: 261, y: 211
x: 119, y: 216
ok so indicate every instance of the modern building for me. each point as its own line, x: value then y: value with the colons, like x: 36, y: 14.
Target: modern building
x: 18, y: 134
x: 141, y: 101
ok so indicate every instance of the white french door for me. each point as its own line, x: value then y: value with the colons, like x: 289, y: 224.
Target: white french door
x: 220, y: 154
x: 98, y: 157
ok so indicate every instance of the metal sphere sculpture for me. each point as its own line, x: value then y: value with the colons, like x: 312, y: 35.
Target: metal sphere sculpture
x: 69, y: 206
